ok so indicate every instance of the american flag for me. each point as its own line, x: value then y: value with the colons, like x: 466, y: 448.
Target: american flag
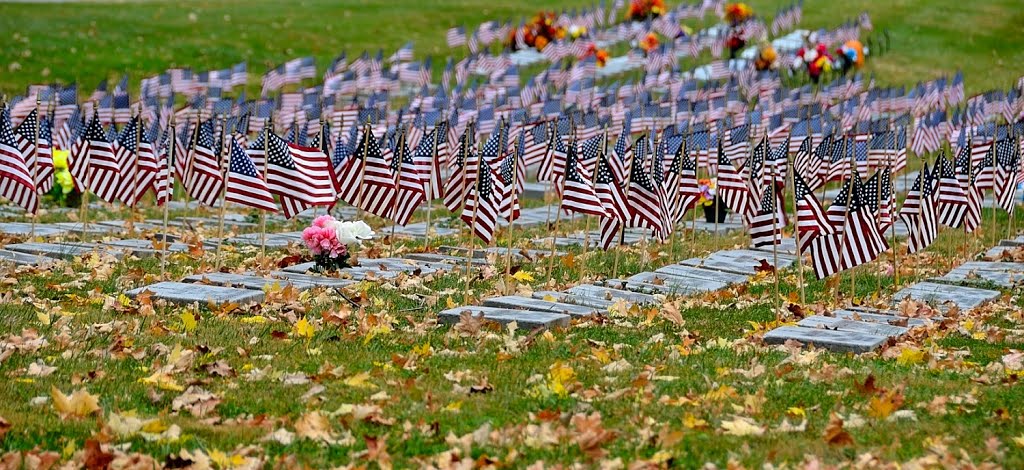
x: 646, y: 198
x: 456, y: 36
x: 510, y: 168
x: 766, y: 225
x: 862, y: 242
x: 92, y: 161
x: 806, y: 164
x: 244, y: 184
x: 683, y: 189
x: 367, y: 178
x: 428, y: 163
x: 302, y: 176
x: 463, y: 171
x: 482, y: 205
x: 732, y: 188
x: 918, y: 213
x: 38, y: 159
x: 1005, y: 178
x: 16, y: 182
x: 411, y: 184
x: 886, y: 199
x: 578, y: 193
x: 836, y: 212
x: 952, y: 198
x: 203, y: 179
x: 553, y: 166
x: 138, y: 163
x: 840, y: 165
x: 610, y: 190
x: 811, y: 220
x: 736, y: 144
x: 975, y: 197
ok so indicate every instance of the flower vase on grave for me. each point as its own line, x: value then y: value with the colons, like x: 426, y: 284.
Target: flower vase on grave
x: 715, y: 212
x: 329, y: 241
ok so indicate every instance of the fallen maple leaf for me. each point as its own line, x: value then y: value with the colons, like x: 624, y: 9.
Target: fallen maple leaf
x: 884, y: 405
x: 835, y: 434
x: 764, y: 267
x: 95, y: 456
x: 741, y: 426
x: 5, y: 427
x: 590, y: 435
x: 314, y: 426
x: 80, y: 403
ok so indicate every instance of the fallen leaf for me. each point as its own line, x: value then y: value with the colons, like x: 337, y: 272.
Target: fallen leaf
x: 80, y: 403
x: 741, y: 426
x: 95, y: 457
x: 5, y: 427
x: 835, y: 434
x: 303, y: 329
x: 883, y: 405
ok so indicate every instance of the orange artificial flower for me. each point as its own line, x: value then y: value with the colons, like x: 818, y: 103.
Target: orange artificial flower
x: 602, y: 57
x: 649, y: 42
x: 540, y: 42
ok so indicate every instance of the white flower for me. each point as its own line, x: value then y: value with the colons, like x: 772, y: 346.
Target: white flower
x: 352, y: 232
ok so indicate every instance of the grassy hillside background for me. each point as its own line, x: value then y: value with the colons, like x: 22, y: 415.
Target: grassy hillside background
x: 86, y: 42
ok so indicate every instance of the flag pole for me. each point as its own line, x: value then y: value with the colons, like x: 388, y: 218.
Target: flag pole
x: 511, y: 222
x: 775, y: 245
x: 136, y: 195
x: 226, y: 172
x: 853, y: 173
x: 85, y: 192
x: 558, y: 218
x: 430, y: 188
x: 846, y: 219
x: 267, y: 128
x: 35, y: 160
x: 622, y: 228
x: 796, y: 230
x: 169, y: 190
x: 472, y: 224
x: 367, y: 135
x: 465, y: 150
x: 593, y: 180
x: 394, y: 201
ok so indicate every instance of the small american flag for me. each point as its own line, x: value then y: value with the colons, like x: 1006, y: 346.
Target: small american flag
x: 1005, y: 184
x: 766, y: 225
x: 302, y: 176
x: 92, y: 161
x: 482, y: 205
x: 16, y: 182
x: 952, y: 197
x: 245, y: 185
x: 918, y: 213
x: 456, y: 37
x: 577, y: 192
x: 39, y: 158
x: 411, y: 184
x: 203, y: 179
x: 367, y: 178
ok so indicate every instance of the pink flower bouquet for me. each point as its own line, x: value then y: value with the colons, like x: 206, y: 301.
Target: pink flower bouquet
x: 328, y: 239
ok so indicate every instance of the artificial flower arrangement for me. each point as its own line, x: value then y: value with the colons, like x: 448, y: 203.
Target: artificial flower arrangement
x: 576, y: 32
x: 736, y: 13
x: 649, y: 42
x: 851, y: 55
x: 543, y: 29
x: 767, y: 58
x: 640, y: 10
x: 329, y: 240
x: 63, y: 192
x: 600, y: 54
x: 816, y: 59
x: 706, y: 187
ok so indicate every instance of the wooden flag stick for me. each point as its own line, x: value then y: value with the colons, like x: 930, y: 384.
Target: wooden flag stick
x: 394, y: 201
x: 512, y: 222
x: 167, y: 198
x: 223, y: 208
x: 775, y: 247
x: 267, y: 129
x: 430, y: 188
x: 622, y: 228
x: 796, y: 238
x: 593, y: 180
x: 472, y: 224
x: 846, y: 219
x: 35, y: 164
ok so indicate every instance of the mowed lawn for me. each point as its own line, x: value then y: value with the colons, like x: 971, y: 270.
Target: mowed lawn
x: 86, y: 42
x: 319, y: 380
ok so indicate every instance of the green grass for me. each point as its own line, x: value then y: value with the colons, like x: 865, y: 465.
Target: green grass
x: 87, y: 42
x: 668, y: 401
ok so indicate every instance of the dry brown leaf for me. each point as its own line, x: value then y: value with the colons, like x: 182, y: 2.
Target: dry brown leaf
x: 79, y: 404
x: 5, y: 427
x: 835, y: 434
x: 883, y: 405
x: 315, y: 426
x: 590, y: 435
x: 95, y: 457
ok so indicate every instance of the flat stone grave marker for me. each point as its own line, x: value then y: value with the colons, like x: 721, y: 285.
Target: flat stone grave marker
x: 211, y: 222
x: 540, y: 305
x: 701, y: 274
x: 1005, y: 274
x: 247, y: 281
x: 788, y: 246
x: 610, y: 294
x: 499, y: 251
x: 565, y: 298
x: 451, y: 261
x: 358, y: 273
x: 527, y: 319
x: 739, y: 261
x: 723, y: 227
x: 637, y: 286
x: 999, y: 253
x: 253, y: 239
x: 22, y: 259
x: 67, y: 250
x: 838, y: 341
x: 183, y: 293
x: 419, y: 230
x: 533, y: 190
x: 91, y: 229
x: 876, y: 317
x: 25, y: 229
x: 314, y: 279
x: 123, y: 225
x: 680, y: 285
x: 1019, y: 241
x: 939, y: 294
x: 842, y: 324
x: 141, y: 247
x: 565, y: 242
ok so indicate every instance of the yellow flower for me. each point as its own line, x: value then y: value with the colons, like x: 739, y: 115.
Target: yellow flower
x: 60, y: 159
